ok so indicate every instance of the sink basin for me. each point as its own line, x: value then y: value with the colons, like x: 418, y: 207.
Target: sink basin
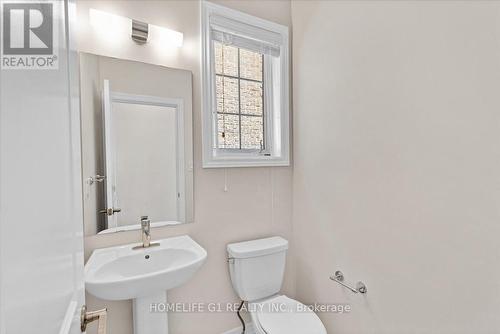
x: 119, y: 273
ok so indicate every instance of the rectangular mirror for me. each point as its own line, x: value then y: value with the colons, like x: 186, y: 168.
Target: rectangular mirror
x: 136, y: 144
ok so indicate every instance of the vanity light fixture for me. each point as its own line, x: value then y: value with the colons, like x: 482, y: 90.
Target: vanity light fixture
x: 141, y: 32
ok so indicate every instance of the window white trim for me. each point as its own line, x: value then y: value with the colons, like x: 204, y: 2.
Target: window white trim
x: 278, y: 119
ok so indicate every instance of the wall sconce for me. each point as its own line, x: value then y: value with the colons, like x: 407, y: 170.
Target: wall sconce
x: 141, y: 32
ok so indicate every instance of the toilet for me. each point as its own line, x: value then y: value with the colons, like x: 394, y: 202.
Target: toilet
x: 256, y: 268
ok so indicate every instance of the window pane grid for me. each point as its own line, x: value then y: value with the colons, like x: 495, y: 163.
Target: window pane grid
x: 236, y: 114
x: 235, y: 77
x: 250, y: 134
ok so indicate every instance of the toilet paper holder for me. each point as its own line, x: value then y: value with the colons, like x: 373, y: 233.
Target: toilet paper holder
x: 339, y: 278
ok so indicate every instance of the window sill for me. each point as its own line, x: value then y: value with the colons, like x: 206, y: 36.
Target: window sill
x: 230, y: 162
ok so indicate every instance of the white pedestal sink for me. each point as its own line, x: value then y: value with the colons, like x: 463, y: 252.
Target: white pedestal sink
x: 144, y: 275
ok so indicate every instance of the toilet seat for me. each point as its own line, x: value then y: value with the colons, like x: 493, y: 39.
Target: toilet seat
x: 283, y: 315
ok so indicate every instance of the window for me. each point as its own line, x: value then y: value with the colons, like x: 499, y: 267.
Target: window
x: 246, y: 91
x: 240, y: 98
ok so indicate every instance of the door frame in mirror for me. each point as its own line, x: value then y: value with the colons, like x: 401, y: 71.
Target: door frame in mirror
x: 175, y: 103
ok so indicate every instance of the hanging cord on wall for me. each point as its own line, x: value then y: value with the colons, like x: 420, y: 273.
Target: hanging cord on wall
x: 271, y: 175
x: 225, y: 180
x: 239, y: 316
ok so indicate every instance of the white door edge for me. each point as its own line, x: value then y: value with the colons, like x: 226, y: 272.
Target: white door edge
x: 69, y: 317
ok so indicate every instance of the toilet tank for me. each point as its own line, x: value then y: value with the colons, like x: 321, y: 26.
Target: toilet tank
x: 257, y: 267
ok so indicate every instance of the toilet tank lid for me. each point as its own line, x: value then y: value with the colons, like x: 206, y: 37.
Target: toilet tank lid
x: 259, y: 247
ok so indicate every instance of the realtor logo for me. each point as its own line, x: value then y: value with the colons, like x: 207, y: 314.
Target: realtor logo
x: 28, y: 36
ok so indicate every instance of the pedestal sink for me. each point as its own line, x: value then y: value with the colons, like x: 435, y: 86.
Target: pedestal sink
x: 144, y: 275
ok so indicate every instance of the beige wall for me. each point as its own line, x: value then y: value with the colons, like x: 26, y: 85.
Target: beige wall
x: 258, y: 200
x: 396, y: 136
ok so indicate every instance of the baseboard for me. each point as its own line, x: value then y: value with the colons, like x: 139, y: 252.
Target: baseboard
x: 249, y: 330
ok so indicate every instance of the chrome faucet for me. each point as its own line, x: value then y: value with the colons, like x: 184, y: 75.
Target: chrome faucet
x: 146, y: 231
x: 146, y: 234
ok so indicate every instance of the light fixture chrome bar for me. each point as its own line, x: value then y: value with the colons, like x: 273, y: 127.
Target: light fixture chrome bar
x: 140, y: 31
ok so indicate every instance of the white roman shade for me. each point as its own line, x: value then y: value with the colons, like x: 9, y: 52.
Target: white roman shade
x: 242, y: 35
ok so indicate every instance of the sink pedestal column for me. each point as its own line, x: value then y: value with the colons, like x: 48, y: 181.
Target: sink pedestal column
x: 150, y: 314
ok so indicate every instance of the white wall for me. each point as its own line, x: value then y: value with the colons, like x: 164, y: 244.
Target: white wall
x: 397, y: 134
x: 258, y: 201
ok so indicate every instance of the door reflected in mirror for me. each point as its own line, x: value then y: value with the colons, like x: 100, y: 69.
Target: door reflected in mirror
x: 143, y: 158
x: 137, y: 135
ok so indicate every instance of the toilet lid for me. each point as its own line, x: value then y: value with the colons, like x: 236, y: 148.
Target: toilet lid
x: 284, y: 315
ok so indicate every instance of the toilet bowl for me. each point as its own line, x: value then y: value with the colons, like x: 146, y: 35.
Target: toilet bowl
x: 283, y: 315
x: 256, y: 268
